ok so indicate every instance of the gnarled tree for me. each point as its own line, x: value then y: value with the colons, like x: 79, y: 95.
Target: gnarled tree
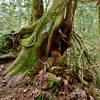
x: 43, y: 31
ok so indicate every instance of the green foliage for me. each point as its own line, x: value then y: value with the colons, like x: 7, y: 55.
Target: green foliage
x: 5, y: 43
x: 86, y: 20
x: 39, y: 97
x: 13, y: 14
x: 52, y: 81
x: 86, y: 25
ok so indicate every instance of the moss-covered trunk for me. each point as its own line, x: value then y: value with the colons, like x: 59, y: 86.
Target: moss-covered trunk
x: 43, y: 32
x: 98, y: 69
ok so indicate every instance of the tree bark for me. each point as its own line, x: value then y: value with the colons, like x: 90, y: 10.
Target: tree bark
x: 37, y: 11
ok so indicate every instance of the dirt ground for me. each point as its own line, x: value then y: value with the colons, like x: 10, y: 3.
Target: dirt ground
x: 41, y: 91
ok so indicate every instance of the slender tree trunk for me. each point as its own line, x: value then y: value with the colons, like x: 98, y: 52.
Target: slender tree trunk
x: 98, y: 69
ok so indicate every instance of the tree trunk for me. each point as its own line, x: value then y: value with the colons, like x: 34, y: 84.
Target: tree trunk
x: 98, y: 69
x: 37, y: 10
x: 55, y: 21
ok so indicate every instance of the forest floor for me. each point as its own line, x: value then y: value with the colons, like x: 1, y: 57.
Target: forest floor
x: 48, y: 86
